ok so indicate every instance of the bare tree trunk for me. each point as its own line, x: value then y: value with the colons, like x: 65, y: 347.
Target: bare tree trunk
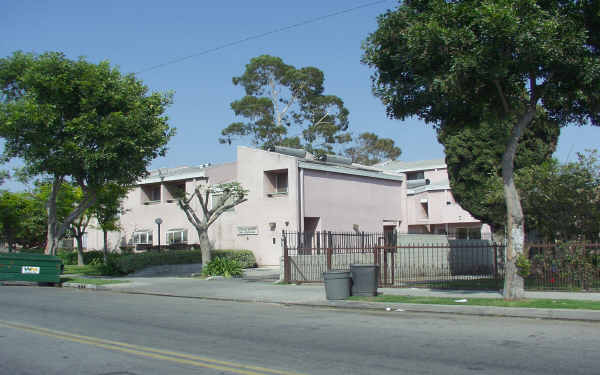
x: 513, y: 282
x: 205, y: 246
x: 105, y: 248
x: 56, y: 230
x: 79, y: 239
x: 51, y: 238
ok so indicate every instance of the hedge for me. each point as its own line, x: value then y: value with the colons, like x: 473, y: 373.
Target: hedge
x: 127, y: 264
x: 70, y: 257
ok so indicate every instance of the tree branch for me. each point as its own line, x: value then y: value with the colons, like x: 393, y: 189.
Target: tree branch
x: 224, y: 208
x: 501, y: 94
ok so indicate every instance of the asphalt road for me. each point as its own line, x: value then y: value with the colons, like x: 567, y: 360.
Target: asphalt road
x: 68, y: 331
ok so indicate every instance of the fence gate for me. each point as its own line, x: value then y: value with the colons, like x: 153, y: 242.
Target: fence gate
x: 308, y: 255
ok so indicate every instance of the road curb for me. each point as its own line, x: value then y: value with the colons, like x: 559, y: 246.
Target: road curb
x: 397, y: 308
x: 84, y: 286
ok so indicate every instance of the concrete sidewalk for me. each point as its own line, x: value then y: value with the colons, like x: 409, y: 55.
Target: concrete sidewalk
x: 256, y: 289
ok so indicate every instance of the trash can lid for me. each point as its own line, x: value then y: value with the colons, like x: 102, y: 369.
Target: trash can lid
x: 336, y: 274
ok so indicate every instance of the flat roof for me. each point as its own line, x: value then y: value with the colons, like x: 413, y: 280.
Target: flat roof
x: 411, y: 166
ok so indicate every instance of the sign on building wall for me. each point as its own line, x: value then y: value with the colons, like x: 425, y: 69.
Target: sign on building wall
x: 246, y: 231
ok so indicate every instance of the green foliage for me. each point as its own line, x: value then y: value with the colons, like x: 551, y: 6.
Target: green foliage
x: 22, y: 219
x: 563, y: 201
x: 70, y: 257
x: 245, y: 258
x: 565, y: 265
x: 76, y: 121
x: 458, y: 63
x: 463, y: 62
x: 222, y: 267
x: 370, y: 149
x: 129, y: 263
x: 523, y: 265
x: 473, y: 157
x: 280, y: 97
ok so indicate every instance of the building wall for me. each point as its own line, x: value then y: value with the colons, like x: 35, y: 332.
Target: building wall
x: 342, y: 201
x: 257, y: 223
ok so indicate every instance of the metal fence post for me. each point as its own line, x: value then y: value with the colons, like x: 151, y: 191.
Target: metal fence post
x: 287, y: 274
x: 329, y: 251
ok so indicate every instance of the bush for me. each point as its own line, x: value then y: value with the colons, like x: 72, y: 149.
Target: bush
x: 221, y: 266
x: 123, y: 264
x: 70, y: 257
x: 245, y: 258
x: 35, y: 250
x: 130, y: 263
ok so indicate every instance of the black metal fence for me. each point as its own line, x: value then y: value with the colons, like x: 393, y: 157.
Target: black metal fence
x: 450, y: 263
x: 564, y: 266
x: 453, y: 263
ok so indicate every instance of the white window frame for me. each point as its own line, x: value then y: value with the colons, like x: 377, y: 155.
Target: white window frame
x: 147, y: 234
x: 173, y: 233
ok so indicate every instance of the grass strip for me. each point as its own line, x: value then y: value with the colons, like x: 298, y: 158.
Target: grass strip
x: 496, y: 302
x: 88, y: 270
x: 91, y: 281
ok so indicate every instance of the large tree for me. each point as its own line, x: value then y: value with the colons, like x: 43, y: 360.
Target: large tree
x: 211, y: 201
x: 369, y: 149
x: 473, y: 157
x: 285, y: 106
x: 75, y: 121
x: 467, y: 61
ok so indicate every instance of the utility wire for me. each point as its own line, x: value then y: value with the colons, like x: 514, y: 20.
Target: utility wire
x: 258, y: 36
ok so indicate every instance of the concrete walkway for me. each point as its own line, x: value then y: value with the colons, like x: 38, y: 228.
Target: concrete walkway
x: 258, y: 286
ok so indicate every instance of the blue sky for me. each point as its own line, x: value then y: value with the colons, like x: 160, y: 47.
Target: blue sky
x: 136, y: 35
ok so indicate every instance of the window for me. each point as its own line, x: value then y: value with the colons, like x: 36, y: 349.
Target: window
x: 276, y: 182
x: 174, y: 191
x: 415, y: 175
x: 151, y: 194
x: 177, y: 236
x: 142, y: 237
x: 468, y: 233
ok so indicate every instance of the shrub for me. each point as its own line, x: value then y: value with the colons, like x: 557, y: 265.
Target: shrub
x: 70, y: 257
x: 221, y: 266
x: 34, y: 250
x: 135, y: 262
x: 244, y: 257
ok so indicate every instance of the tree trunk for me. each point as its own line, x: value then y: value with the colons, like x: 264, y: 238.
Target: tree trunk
x: 205, y: 246
x: 105, y: 248
x: 515, y: 226
x: 51, y: 238
x: 80, y: 260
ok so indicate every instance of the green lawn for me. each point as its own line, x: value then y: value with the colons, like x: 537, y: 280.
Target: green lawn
x: 528, y: 303
x: 88, y: 270
x: 91, y: 281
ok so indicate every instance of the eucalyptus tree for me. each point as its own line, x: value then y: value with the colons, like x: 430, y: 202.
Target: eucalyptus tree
x: 286, y: 106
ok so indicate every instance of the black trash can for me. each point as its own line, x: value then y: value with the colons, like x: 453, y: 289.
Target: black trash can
x: 337, y: 284
x: 364, y: 279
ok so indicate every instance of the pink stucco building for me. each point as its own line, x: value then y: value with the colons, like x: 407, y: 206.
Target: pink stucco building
x: 291, y: 190
x: 429, y: 207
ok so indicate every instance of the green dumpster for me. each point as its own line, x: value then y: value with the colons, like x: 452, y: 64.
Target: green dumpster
x: 30, y: 267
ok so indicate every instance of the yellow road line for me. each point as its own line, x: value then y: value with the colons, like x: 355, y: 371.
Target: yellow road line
x: 166, y: 355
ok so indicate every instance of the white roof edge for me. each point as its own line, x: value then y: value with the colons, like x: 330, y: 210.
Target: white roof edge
x: 422, y: 189
x: 185, y: 176
x: 355, y: 172
x: 404, y: 170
